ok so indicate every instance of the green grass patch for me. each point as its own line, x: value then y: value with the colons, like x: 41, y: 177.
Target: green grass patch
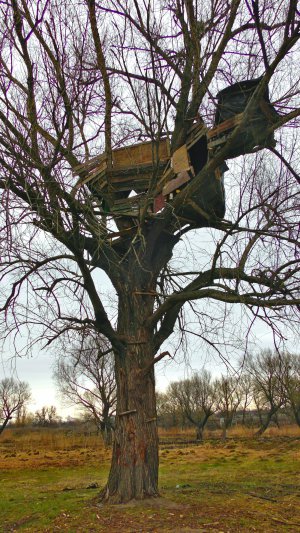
x: 35, y: 498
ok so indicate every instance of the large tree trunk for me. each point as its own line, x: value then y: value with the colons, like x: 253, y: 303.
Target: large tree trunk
x: 134, y: 467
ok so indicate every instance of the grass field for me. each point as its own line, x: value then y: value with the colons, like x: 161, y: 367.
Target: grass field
x: 49, y: 482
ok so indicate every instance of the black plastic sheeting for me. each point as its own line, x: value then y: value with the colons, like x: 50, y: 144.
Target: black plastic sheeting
x: 232, y: 101
x: 210, y: 197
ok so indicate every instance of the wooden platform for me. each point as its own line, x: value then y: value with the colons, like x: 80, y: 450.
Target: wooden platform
x: 136, y: 167
x: 132, y: 167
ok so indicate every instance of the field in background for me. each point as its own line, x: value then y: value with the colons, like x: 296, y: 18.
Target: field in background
x: 50, y: 478
x: 237, y: 431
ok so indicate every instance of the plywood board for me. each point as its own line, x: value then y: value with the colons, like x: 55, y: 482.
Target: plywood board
x: 180, y: 160
x: 182, y: 178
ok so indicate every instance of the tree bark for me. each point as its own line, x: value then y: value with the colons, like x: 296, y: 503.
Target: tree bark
x: 224, y: 432
x: 134, y: 467
x: 297, y: 416
x: 266, y: 424
x: 199, y: 433
x: 296, y: 412
x: 106, y: 433
x: 201, y: 426
x: 3, y: 426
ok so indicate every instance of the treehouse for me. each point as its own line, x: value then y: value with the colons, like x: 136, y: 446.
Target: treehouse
x: 137, y: 169
x: 145, y: 177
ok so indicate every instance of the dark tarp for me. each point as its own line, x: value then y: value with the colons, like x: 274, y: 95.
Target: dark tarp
x: 232, y: 101
x: 208, y: 202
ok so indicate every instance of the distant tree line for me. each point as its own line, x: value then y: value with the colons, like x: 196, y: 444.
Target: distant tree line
x: 268, y: 384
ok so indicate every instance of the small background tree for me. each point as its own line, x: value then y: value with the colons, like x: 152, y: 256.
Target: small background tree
x: 46, y: 416
x: 85, y: 378
x: 228, y: 400
x: 195, y: 398
x: 291, y: 383
x: 14, y: 396
x: 267, y: 370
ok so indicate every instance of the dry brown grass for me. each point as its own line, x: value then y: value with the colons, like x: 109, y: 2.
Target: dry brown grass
x: 40, y: 447
x: 237, y: 431
x: 49, y: 438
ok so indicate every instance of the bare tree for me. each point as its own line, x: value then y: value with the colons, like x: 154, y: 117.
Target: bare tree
x: 14, y: 395
x: 196, y: 399
x: 291, y: 382
x: 246, y: 389
x: 168, y: 412
x: 46, y: 416
x: 228, y: 400
x: 87, y: 379
x: 267, y: 370
x: 78, y: 81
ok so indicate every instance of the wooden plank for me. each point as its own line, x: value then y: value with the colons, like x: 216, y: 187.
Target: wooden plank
x: 130, y: 200
x: 167, y: 175
x: 97, y: 172
x: 136, y: 156
x: 140, y: 154
x: 139, y: 169
x: 226, y: 125
x: 180, y: 160
x: 195, y: 134
x: 90, y: 163
x: 98, y: 183
x: 181, y: 179
x: 217, y: 142
x: 125, y: 213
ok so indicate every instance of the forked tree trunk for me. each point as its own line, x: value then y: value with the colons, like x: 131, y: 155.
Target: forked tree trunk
x: 199, y: 433
x: 201, y: 426
x: 134, y: 467
x: 264, y: 426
